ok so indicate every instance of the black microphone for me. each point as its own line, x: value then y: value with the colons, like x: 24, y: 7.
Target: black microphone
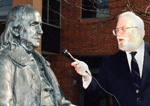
x: 67, y: 54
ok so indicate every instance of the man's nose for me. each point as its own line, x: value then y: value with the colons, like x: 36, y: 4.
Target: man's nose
x: 40, y: 31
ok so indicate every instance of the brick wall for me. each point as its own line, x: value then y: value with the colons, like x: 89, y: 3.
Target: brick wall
x: 66, y: 77
x: 87, y: 37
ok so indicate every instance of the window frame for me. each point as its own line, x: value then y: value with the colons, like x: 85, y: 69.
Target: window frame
x: 95, y: 11
x: 48, y: 10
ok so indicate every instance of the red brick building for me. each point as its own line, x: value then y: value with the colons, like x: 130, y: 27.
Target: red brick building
x: 88, y: 39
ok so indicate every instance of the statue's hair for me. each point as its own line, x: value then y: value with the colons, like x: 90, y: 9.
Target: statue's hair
x: 13, y: 22
x: 136, y: 19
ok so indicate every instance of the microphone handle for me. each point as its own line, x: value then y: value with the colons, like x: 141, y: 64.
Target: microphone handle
x: 70, y: 57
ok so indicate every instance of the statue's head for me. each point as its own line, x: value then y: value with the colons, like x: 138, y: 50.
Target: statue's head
x: 23, y: 27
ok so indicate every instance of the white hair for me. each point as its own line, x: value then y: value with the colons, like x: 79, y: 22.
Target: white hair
x: 137, y: 20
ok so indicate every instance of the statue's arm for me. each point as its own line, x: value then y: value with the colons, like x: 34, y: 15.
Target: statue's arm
x: 6, y: 79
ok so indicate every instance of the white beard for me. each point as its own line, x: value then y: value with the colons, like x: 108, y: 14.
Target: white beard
x: 128, y: 45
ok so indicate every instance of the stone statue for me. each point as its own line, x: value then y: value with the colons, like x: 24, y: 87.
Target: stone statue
x: 26, y: 78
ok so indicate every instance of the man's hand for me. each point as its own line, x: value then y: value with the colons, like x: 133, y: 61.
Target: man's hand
x: 82, y: 69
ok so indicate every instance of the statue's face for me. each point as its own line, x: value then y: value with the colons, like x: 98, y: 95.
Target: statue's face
x: 32, y: 30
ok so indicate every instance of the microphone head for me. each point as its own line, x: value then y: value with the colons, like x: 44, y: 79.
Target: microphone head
x: 67, y: 54
x: 64, y: 51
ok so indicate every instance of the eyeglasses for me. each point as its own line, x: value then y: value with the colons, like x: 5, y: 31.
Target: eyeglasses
x: 123, y: 29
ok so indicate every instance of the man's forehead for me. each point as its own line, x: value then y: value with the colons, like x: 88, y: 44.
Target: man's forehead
x: 34, y: 17
x: 124, y: 22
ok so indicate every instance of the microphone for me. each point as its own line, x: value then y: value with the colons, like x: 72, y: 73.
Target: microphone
x: 67, y: 54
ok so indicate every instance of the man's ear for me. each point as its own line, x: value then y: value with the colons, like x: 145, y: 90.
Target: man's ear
x: 15, y: 31
x: 139, y: 33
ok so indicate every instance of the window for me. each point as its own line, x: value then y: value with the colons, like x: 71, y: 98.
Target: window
x: 5, y: 6
x: 51, y: 12
x: 95, y: 9
x: 51, y: 26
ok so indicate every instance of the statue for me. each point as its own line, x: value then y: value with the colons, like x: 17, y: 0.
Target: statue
x: 26, y: 78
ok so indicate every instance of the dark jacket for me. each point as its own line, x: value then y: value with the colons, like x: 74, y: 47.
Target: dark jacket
x: 115, y: 77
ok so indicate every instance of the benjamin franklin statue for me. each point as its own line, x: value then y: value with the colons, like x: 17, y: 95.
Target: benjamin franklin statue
x: 26, y: 78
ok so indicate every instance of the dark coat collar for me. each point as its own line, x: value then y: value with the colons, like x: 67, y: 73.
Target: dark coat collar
x: 147, y: 47
x: 146, y: 68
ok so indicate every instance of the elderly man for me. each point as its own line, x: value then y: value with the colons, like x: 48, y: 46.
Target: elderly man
x: 26, y: 78
x: 126, y: 74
